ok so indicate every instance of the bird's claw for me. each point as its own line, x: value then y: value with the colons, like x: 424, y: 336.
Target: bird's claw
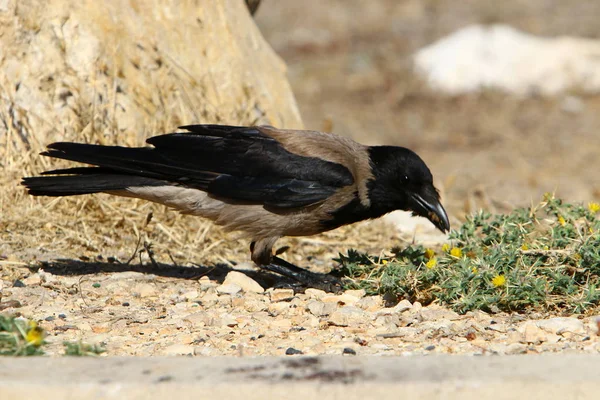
x: 304, y: 277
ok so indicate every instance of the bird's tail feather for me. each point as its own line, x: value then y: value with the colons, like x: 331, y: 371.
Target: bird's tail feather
x: 87, y: 183
x: 116, y: 168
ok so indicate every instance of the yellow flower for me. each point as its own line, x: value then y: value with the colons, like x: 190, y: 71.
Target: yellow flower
x: 524, y: 246
x: 429, y: 254
x: 456, y: 252
x: 474, y: 270
x: 384, y: 262
x: 445, y: 247
x: 499, y: 280
x: 431, y: 263
x: 561, y: 220
x: 35, y: 334
x: 593, y: 207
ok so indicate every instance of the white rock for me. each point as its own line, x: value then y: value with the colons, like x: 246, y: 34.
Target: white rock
x: 516, y: 348
x: 432, y: 314
x: 255, y: 305
x: 371, y: 303
x: 347, y: 316
x: 320, y: 309
x: 342, y: 299
x: 502, y: 57
x: 532, y: 334
x: 560, y: 325
x: 402, y: 306
x: 246, y: 283
x: 145, y: 290
x: 358, y: 293
x: 210, y: 298
x: 206, y: 283
x: 32, y: 280
x: 197, y: 319
x: 278, y: 308
x: 282, y: 295
x: 229, y: 288
x: 417, y: 306
x: 191, y: 295
x: 317, y: 294
x: 228, y: 320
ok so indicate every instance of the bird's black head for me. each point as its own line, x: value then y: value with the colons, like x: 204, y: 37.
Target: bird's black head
x: 403, y: 182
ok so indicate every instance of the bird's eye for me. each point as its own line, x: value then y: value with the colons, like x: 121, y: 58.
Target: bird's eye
x: 405, y: 179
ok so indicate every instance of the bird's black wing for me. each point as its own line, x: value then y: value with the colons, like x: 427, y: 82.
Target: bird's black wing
x: 237, y: 163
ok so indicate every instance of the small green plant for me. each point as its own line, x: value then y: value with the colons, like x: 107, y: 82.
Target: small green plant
x: 20, y: 337
x: 545, y: 257
x: 81, y: 349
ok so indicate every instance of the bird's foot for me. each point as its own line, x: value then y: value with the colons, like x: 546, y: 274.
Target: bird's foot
x: 304, y: 277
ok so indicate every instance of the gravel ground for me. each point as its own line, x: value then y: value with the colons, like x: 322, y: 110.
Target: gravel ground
x: 144, y: 313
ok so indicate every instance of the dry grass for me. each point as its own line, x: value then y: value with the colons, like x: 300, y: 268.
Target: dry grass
x: 97, y: 227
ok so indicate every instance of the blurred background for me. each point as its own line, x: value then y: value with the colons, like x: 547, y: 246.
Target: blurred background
x: 351, y: 67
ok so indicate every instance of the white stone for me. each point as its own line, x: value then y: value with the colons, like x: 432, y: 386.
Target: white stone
x: 229, y: 288
x: 320, y: 309
x: 282, y: 295
x: 342, y: 299
x: 501, y: 57
x: 358, y: 293
x: 317, y: 294
x: 402, y: 306
x: 370, y: 303
x: 348, y: 316
x: 242, y: 280
x: 532, y: 334
x: 560, y: 325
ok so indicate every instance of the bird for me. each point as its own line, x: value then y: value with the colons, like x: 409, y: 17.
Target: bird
x: 263, y: 181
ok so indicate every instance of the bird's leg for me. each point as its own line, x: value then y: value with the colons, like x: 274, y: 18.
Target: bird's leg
x: 307, y: 278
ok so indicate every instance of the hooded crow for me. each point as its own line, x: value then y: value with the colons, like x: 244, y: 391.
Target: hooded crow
x: 263, y: 181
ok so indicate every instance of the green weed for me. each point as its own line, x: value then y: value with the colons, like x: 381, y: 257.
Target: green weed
x: 22, y: 337
x: 545, y: 257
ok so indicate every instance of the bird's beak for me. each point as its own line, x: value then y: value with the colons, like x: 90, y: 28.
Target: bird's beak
x: 429, y: 206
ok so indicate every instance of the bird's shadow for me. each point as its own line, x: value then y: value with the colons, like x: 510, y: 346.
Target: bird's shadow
x: 217, y: 272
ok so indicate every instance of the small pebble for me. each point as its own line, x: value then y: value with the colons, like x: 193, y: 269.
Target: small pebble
x: 49, y: 318
x: 125, y: 304
x: 430, y: 347
x: 292, y: 351
x: 349, y: 351
x: 62, y: 316
x: 18, y: 283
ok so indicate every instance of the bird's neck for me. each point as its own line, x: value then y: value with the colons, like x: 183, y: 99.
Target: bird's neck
x: 355, y: 211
